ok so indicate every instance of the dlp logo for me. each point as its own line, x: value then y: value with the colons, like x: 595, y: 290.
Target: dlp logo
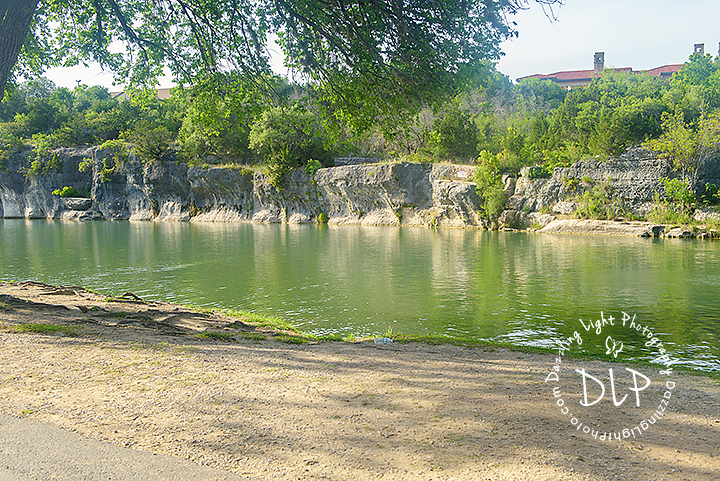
x: 617, y: 385
x: 597, y: 382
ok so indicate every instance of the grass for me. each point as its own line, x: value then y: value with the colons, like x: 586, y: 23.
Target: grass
x: 284, y: 332
x: 46, y: 328
x: 4, y: 305
x: 666, y: 214
x: 272, y: 323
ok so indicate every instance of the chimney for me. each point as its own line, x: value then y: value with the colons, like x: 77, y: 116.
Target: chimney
x: 700, y: 48
x: 599, y: 62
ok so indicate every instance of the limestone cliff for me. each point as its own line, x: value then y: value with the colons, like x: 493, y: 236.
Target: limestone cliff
x: 633, y: 179
x: 374, y: 194
x: 370, y: 194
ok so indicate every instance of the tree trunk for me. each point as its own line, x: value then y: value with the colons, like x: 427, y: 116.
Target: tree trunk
x: 15, y: 19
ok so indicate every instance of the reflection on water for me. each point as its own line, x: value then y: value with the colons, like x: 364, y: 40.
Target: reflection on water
x: 523, y: 288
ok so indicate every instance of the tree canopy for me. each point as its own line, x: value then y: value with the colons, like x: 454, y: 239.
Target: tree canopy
x: 357, y: 51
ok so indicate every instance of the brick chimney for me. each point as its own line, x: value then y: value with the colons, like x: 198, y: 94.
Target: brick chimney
x: 599, y: 62
x: 700, y: 48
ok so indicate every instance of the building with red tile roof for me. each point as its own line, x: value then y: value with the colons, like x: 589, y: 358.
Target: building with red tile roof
x: 578, y: 78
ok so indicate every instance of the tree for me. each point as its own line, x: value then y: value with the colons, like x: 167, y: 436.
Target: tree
x: 689, y: 146
x: 220, y: 113
x: 395, y: 51
x: 287, y: 139
x: 454, y: 135
x: 15, y: 19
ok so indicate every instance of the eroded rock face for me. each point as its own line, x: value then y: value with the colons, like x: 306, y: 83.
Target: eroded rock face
x: 634, y: 178
x: 24, y: 195
x: 372, y: 194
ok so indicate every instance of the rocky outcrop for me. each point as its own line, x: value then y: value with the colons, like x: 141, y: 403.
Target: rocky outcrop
x: 367, y: 193
x: 370, y: 194
x: 605, y: 227
x: 633, y: 179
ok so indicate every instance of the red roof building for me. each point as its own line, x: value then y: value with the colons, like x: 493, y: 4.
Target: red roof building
x: 578, y: 78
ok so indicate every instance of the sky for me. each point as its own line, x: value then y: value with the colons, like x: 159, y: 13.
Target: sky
x: 641, y: 34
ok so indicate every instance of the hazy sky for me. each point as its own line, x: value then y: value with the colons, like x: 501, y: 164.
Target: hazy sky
x: 641, y: 34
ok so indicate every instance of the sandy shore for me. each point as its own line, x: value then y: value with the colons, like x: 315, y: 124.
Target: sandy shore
x: 136, y: 374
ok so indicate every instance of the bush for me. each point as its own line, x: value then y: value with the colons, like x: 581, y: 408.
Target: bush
x: 85, y: 165
x: 9, y: 145
x: 68, y: 192
x: 148, y: 143
x: 119, y: 155
x: 539, y: 172
x: 710, y: 195
x: 312, y: 167
x: 598, y: 203
x: 288, y: 139
x: 215, y: 127
x: 43, y: 146
x: 679, y: 192
x: 489, y: 186
x: 43, y: 160
x: 454, y: 136
x: 664, y: 213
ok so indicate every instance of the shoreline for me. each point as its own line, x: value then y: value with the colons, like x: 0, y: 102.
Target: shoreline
x: 239, y: 324
x: 137, y: 374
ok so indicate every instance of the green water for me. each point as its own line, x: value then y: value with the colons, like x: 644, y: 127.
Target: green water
x: 354, y: 280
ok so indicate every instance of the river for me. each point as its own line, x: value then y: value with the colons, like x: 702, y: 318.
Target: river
x: 521, y: 288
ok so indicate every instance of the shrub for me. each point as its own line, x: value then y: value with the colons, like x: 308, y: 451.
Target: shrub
x: 489, y: 186
x: 322, y: 218
x: 598, y: 203
x: 118, y: 156
x: 710, y: 195
x: 148, y: 143
x: 287, y: 139
x: 455, y: 135
x: 85, y: 165
x: 68, y: 192
x: 312, y: 167
x: 539, y: 172
x: 220, y: 111
x: 43, y: 146
x: 664, y: 213
x: 679, y: 192
x: 9, y: 145
x: 45, y: 166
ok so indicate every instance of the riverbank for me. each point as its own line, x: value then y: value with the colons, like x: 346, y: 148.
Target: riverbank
x: 165, y: 379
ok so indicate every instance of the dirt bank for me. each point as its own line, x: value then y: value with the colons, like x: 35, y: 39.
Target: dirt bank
x: 136, y: 374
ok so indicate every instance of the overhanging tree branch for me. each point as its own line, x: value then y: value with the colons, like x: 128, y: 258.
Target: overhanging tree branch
x: 15, y: 19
